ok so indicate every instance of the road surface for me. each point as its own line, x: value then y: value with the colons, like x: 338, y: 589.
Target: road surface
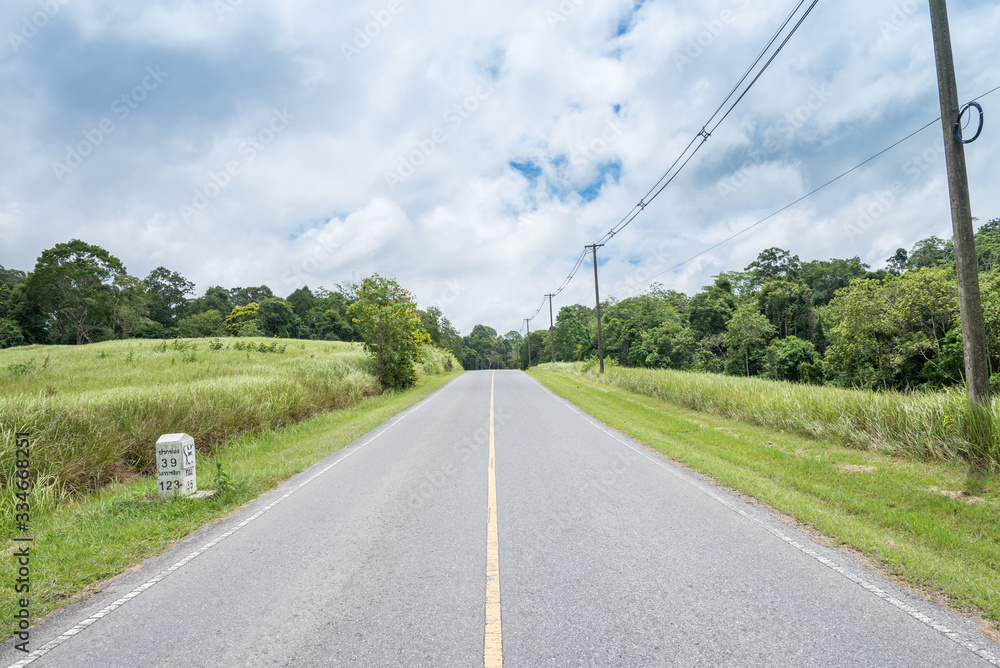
x: 571, y: 546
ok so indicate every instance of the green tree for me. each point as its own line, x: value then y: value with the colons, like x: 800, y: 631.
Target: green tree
x: 574, y: 341
x: 988, y: 246
x: 216, y: 298
x: 511, y: 347
x: 788, y: 305
x: 245, y: 296
x: 773, y: 264
x: 480, y: 348
x: 276, y: 318
x: 990, y: 287
x: 793, y: 359
x: 931, y: 252
x: 72, y: 287
x: 862, y: 335
x: 6, y: 305
x: 167, y: 292
x: 25, y: 310
x: 898, y: 262
x: 10, y: 334
x: 129, y: 304
x: 825, y: 277
x: 539, y: 349
x: 889, y: 333
x: 443, y: 334
x: 302, y: 301
x: 626, y: 321
x: 670, y: 344
x: 240, y: 318
x: 709, y: 311
x: 746, y: 336
x: 390, y: 324
x: 11, y: 277
x: 204, y: 324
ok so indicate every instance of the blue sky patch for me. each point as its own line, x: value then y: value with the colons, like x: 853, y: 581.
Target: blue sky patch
x: 605, y: 171
x: 528, y: 169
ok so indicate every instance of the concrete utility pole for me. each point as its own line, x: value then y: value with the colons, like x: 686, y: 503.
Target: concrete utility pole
x: 973, y: 329
x: 527, y: 323
x: 552, y: 329
x: 597, y: 293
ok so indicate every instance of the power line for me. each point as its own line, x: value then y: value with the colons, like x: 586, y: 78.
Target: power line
x: 694, y: 145
x: 788, y: 206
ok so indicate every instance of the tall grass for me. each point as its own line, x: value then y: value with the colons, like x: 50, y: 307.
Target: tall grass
x: 937, y: 426
x: 95, y: 412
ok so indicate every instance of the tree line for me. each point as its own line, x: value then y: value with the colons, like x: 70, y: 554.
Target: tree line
x: 79, y: 293
x: 824, y: 322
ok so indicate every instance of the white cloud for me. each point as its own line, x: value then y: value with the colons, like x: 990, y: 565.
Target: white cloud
x: 464, y: 229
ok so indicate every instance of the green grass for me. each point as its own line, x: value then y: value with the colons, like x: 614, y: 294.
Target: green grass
x: 93, y: 412
x: 936, y: 426
x: 894, y: 513
x: 81, y: 543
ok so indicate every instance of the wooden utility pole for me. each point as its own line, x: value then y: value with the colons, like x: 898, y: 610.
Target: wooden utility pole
x: 973, y: 329
x: 597, y: 293
x: 527, y: 323
x: 552, y: 329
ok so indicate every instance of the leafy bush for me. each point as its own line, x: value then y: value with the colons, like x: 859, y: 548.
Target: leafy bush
x: 241, y: 318
x: 25, y: 368
x: 250, y: 329
x: 208, y: 323
x: 791, y: 358
x: 259, y: 347
x: 392, y: 330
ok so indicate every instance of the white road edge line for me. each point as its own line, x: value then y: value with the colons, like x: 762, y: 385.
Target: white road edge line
x: 104, y: 612
x: 861, y: 582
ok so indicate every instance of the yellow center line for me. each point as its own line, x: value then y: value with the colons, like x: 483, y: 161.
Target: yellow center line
x: 493, y: 650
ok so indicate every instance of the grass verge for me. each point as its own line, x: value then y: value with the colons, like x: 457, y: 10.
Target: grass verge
x: 922, y: 425
x: 106, y: 532
x: 933, y: 526
x: 94, y: 411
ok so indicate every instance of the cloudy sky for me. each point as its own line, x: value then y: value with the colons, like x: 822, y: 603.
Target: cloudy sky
x: 471, y: 150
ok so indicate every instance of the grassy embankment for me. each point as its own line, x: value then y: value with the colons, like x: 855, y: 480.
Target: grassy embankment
x: 880, y: 473
x: 94, y: 413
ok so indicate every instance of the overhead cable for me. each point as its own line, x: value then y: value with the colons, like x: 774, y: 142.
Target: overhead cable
x: 807, y: 195
x: 739, y: 91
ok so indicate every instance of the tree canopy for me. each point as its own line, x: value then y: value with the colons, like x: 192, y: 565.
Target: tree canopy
x: 391, y: 329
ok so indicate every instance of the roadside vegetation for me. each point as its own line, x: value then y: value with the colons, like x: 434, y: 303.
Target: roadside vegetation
x: 834, y: 322
x: 935, y: 426
x: 916, y: 513
x: 261, y: 403
x: 93, y: 412
x: 83, y: 539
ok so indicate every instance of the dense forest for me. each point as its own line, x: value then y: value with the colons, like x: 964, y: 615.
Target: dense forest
x: 79, y: 293
x: 824, y: 321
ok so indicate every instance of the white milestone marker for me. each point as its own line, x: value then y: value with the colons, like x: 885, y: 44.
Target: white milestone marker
x: 175, y: 470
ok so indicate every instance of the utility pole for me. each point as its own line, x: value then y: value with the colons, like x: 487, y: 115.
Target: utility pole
x: 973, y: 328
x: 597, y: 294
x: 552, y: 329
x: 527, y: 323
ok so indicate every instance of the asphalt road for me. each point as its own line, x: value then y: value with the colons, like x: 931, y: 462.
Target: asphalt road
x: 607, y: 556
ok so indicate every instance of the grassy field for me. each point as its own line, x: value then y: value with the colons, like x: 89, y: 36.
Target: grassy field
x: 932, y: 525
x: 94, y: 413
x: 936, y: 426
